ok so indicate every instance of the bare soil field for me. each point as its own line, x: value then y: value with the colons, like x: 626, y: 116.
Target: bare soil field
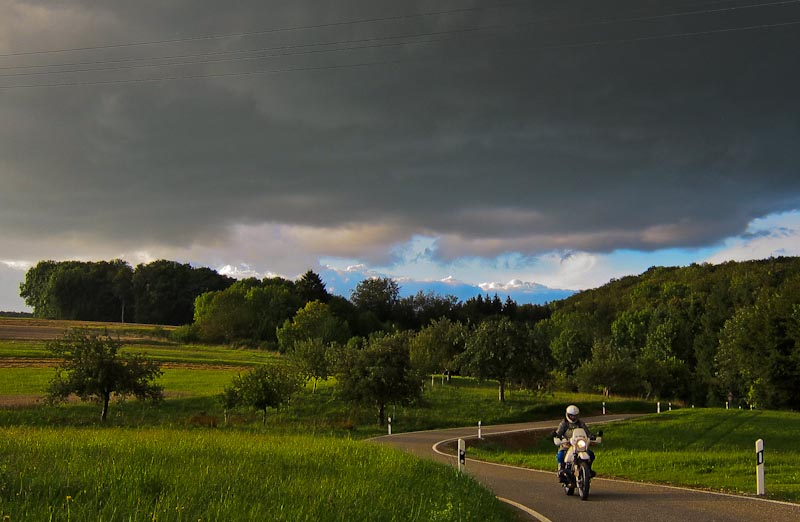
x: 27, y: 329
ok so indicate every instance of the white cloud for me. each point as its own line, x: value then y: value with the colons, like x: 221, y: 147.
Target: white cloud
x: 12, y: 273
x: 772, y: 236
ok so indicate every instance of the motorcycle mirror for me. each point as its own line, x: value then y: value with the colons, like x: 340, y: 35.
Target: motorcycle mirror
x: 600, y: 433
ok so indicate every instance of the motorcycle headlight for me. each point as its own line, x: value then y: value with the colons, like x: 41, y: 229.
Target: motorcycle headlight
x: 582, y: 444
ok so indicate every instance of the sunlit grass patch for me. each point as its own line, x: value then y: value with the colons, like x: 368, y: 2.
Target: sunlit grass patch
x: 166, y: 475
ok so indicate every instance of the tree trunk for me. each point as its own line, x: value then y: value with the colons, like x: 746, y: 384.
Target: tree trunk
x: 381, y: 413
x: 106, y: 398
x: 265, y: 416
x: 502, y: 391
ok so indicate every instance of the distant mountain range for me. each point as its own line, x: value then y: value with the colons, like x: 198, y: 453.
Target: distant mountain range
x: 342, y: 282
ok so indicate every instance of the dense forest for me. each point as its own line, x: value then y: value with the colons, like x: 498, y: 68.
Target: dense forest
x: 161, y: 292
x: 703, y: 334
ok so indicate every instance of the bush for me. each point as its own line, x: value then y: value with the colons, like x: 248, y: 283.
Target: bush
x: 185, y: 334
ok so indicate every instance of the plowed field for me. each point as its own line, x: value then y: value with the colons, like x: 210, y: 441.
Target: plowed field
x: 25, y: 329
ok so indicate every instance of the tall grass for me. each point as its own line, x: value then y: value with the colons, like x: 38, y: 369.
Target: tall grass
x: 190, y: 475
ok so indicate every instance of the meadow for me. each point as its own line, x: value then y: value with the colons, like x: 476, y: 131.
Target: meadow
x: 167, y: 462
x: 165, y: 474
x: 157, y: 463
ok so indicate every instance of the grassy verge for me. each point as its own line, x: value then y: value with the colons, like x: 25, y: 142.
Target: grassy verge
x: 702, y: 448
x: 176, y: 475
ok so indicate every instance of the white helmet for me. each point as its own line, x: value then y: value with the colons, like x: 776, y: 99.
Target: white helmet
x: 572, y: 413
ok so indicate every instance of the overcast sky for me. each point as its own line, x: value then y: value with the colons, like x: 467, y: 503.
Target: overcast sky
x: 560, y: 143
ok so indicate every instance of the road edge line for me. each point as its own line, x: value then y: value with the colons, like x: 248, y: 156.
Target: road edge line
x: 525, y: 509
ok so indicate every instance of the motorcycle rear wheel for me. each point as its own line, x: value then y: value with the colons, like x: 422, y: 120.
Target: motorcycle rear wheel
x: 583, y: 480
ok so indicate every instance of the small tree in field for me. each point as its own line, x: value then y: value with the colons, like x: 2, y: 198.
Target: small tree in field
x: 263, y: 388
x: 93, y: 369
x: 503, y: 350
x: 380, y: 374
x: 312, y: 360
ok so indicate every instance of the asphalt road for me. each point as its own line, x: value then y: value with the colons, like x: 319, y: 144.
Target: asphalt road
x: 538, y: 496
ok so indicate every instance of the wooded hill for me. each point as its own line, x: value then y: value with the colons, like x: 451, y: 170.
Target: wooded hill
x: 704, y: 333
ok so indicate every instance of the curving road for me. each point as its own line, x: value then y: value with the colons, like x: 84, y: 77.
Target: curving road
x: 538, y: 496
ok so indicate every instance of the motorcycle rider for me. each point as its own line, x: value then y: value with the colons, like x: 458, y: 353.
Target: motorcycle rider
x: 571, y: 421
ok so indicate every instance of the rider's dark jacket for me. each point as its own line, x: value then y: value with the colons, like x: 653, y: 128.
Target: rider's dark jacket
x: 566, y: 427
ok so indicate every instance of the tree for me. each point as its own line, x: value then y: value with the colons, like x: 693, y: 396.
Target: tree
x: 165, y: 291
x: 223, y: 316
x: 418, y: 310
x: 308, y: 337
x: 312, y: 359
x: 93, y: 369
x: 379, y: 374
x: 505, y: 351
x: 248, y: 311
x: 436, y: 346
x: 310, y: 287
x: 122, y: 285
x: 573, y: 343
x: 759, y: 351
x: 262, y: 388
x: 314, y: 321
x: 273, y: 303
x: 376, y: 299
x: 36, y: 288
x: 610, y: 369
x: 78, y: 290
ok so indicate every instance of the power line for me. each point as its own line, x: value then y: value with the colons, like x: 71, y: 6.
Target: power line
x: 207, y: 58
x: 264, y: 31
x: 288, y: 48
x: 364, y: 21
x: 596, y: 43
x: 201, y: 76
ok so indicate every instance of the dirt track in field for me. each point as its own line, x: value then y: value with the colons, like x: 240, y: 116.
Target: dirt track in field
x: 30, y: 333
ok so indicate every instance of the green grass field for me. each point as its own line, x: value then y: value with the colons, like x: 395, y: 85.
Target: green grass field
x: 97, y: 474
x: 160, y: 463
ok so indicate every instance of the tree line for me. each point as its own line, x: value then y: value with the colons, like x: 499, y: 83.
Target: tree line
x: 703, y: 334
x: 161, y: 292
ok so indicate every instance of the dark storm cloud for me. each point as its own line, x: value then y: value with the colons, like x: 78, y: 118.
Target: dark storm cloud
x: 573, y: 125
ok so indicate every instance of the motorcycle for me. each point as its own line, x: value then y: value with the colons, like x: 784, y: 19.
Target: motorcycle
x: 577, y: 470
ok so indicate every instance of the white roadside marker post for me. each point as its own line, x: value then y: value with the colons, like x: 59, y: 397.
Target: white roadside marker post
x: 479, y: 430
x: 604, y: 407
x: 760, y: 489
x: 462, y: 454
x: 390, y: 425
x: 658, y: 407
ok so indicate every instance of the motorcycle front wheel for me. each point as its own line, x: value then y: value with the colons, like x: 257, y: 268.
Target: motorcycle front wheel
x: 583, y: 480
x: 569, y: 486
